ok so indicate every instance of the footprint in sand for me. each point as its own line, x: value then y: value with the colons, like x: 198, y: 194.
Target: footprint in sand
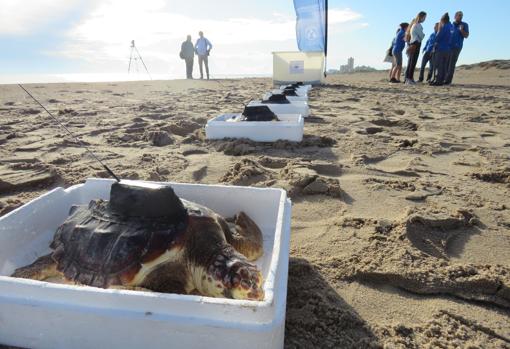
x: 371, y: 130
x: 415, y: 255
x: 495, y: 140
x: 435, y: 234
x: 188, y: 150
x: 182, y: 128
x: 237, y: 147
x: 22, y: 175
x: 158, y: 138
x: 29, y: 111
x: 298, y: 178
x: 405, y: 165
x: 403, y: 124
x: 326, y: 169
x: 501, y: 175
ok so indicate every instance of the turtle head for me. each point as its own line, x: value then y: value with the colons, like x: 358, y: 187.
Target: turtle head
x: 231, y: 275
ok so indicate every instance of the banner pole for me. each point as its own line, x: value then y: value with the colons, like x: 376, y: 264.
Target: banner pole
x: 326, y: 30
x: 326, y: 38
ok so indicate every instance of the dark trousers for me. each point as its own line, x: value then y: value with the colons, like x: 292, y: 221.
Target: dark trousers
x: 203, y: 60
x: 441, y: 61
x: 454, y: 56
x: 427, y: 58
x: 412, y: 61
x: 189, y: 68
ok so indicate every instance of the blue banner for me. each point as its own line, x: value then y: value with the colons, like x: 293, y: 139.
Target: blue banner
x: 311, y: 25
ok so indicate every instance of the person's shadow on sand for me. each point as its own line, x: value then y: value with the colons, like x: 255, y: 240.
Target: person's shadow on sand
x: 317, y: 317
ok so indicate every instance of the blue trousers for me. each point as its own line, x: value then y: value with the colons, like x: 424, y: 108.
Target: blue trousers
x: 428, y: 57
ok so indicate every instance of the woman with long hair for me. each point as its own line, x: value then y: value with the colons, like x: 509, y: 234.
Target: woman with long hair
x: 398, y: 46
x: 414, y: 37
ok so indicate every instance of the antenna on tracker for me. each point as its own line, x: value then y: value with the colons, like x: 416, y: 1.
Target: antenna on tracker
x: 81, y: 144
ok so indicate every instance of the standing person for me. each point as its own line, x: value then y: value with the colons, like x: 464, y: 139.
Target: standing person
x: 398, y: 46
x: 460, y: 32
x: 415, y: 36
x: 389, y: 56
x: 428, y: 55
x: 188, y: 54
x: 442, y: 50
x: 203, y: 48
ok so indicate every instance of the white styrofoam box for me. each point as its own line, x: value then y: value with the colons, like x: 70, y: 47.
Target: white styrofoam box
x: 289, y: 127
x: 290, y: 98
x: 306, y: 88
x: 35, y: 314
x: 296, y: 107
x: 290, y: 67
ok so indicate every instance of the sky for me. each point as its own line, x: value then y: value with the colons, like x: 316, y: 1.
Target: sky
x: 83, y: 39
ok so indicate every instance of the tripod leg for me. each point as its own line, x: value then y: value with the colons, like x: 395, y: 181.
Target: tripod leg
x: 130, y: 58
x: 141, y: 59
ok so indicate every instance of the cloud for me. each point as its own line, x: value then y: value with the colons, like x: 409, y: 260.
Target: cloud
x: 338, y: 16
x: 22, y: 17
x: 242, y: 44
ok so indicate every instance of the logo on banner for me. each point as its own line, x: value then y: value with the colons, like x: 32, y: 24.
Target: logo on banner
x: 311, y: 33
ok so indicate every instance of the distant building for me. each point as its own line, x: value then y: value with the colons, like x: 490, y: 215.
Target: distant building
x: 350, y: 64
x: 348, y: 68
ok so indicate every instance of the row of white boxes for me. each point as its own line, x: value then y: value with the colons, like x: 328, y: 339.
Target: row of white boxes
x: 42, y: 315
x: 289, y: 126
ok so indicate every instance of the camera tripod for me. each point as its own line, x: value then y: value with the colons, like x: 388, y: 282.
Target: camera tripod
x: 135, y: 55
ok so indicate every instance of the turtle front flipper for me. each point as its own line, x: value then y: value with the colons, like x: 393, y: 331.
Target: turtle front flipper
x: 43, y: 269
x: 245, y: 236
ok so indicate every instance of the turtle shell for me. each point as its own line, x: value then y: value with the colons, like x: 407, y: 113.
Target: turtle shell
x: 106, y: 242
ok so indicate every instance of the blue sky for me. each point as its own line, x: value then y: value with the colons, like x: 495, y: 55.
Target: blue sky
x: 79, y: 36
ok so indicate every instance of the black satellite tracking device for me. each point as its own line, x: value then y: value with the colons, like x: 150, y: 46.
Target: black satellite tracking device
x: 110, y: 172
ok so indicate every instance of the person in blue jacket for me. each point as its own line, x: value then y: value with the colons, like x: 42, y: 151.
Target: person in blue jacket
x: 460, y: 31
x: 398, y: 46
x: 442, y: 50
x: 428, y: 51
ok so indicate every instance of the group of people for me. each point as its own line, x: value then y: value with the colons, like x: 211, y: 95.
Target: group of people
x: 441, y: 51
x: 202, y: 49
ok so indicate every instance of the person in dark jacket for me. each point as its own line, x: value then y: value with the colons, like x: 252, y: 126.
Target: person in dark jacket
x: 459, y: 33
x: 188, y: 54
x: 442, y: 50
x: 428, y: 55
x: 396, y: 50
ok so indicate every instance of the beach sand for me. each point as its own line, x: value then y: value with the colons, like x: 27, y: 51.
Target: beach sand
x: 401, y: 195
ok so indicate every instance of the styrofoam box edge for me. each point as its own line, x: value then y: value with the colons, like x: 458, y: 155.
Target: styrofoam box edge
x: 290, y: 128
x: 225, y: 313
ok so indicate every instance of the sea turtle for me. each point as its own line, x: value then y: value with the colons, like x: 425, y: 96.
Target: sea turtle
x: 148, y: 238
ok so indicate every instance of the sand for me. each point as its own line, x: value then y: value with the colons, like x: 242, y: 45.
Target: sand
x: 401, y: 195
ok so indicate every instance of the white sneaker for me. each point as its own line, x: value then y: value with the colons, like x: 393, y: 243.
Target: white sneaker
x: 410, y: 82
